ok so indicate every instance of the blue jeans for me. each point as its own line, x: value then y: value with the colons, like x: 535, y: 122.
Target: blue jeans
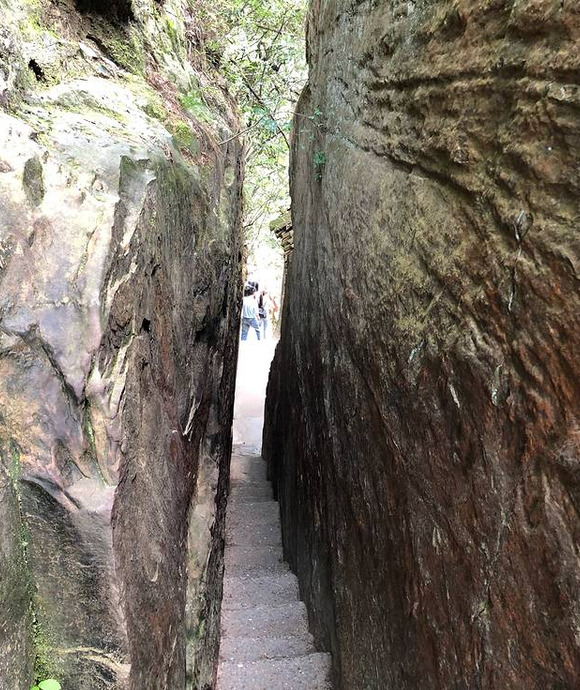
x: 246, y: 323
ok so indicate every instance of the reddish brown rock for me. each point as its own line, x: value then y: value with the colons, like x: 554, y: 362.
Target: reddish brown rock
x: 422, y: 415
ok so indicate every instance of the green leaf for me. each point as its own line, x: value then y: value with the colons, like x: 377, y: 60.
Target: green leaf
x: 35, y: 687
x: 319, y: 158
x: 50, y: 684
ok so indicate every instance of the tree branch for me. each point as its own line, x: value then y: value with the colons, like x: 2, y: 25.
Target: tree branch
x: 263, y: 105
x: 239, y: 134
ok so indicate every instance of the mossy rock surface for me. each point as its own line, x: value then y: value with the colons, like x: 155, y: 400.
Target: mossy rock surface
x: 108, y: 235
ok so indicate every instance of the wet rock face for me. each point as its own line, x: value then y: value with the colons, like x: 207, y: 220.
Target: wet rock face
x: 119, y: 285
x: 421, y: 424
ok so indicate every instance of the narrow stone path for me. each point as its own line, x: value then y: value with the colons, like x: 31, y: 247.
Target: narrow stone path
x: 266, y: 644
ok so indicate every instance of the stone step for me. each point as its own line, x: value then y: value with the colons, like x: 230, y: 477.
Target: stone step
x: 241, y: 592
x: 248, y: 469
x: 245, y: 483
x: 247, y: 453
x: 246, y: 449
x: 256, y: 648
x: 287, y: 620
x: 265, y: 640
x: 310, y: 672
x: 251, y: 513
x: 258, y: 560
x: 240, y: 484
x: 251, y: 493
x: 258, y: 534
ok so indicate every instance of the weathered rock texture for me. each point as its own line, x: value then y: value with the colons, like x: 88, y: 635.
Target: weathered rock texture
x: 422, y: 414
x: 120, y: 274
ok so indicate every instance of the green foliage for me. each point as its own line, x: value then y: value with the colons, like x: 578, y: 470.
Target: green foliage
x: 194, y: 103
x: 319, y: 160
x: 48, y: 684
x: 310, y: 126
x: 184, y: 136
x: 259, y: 46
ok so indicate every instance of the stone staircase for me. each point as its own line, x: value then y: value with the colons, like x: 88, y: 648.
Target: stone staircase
x: 265, y: 643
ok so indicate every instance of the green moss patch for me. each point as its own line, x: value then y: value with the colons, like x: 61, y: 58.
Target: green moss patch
x: 184, y: 136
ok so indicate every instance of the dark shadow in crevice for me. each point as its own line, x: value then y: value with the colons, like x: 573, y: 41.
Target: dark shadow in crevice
x: 120, y: 10
x: 37, y: 70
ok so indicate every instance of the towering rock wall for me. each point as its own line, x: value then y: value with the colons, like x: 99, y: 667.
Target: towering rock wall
x: 422, y: 420
x: 119, y: 279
